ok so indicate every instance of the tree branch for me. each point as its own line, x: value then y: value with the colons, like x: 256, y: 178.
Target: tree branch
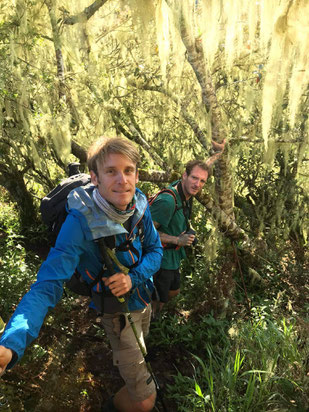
x: 136, y: 137
x: 79, y: 152
x: 226, y: 223
x: 85, y: 14
x: 223, y: 174
x: 200, y: 135
x: 57, y: 47
x: 156, y: 176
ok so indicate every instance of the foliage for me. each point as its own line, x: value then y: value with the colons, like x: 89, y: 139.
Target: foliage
x: 256, y: 365
x: 17, y: 267
x: 70, y: 75
x: 189, y: 335
x: 256, y: 360
x: 271, y: 200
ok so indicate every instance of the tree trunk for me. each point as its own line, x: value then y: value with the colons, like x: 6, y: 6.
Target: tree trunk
x: 224, y: 186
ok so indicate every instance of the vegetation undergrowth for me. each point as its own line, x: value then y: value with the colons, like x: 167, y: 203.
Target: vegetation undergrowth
x: 244, y: 352
x: 256, y: 364
x: 18, y: 267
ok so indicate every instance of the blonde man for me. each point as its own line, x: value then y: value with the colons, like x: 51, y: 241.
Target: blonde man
x: 110, y: 207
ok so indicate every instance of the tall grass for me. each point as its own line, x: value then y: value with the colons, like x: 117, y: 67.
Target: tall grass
x: 261, y: 368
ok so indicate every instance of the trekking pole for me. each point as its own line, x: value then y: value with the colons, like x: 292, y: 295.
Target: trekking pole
x: 108, y: 257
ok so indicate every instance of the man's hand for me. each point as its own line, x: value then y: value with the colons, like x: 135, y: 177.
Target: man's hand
x: 185, y: 239
x: 5, y: 358
x: 119, y: 284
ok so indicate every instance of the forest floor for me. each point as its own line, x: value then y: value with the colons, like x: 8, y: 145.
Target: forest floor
x: 72, y: 369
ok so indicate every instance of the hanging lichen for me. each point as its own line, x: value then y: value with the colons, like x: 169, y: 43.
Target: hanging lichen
x: 162, y: 22
x: 210, y: 11
x: 298, y: 33
x: 232, y: 27
x: 61, y: 136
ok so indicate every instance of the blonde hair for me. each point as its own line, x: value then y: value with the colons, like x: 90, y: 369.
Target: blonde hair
x: 104, y: 146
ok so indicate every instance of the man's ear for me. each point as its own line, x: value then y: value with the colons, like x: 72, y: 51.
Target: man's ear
x: 184, y: 175
x: 136, y: 177
x: 94, y: 178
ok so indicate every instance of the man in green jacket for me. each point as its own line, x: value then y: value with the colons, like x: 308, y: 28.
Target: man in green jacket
x: 171, y: 217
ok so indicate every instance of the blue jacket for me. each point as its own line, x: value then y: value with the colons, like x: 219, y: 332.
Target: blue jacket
x: 76, y: 248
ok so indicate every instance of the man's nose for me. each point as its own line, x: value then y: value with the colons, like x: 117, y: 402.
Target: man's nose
x: 121, y: 178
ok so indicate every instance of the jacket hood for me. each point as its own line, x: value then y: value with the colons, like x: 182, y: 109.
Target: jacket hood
x: 95, y: 222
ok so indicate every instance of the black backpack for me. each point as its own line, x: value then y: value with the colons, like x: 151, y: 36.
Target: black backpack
x: 53, y: 206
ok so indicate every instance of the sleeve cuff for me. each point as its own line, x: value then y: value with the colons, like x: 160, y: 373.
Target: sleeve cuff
x: 13, y: 360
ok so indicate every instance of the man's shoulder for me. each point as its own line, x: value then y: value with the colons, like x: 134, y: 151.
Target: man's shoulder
x: 168, y: 194
x: 164, y: 201
x: 164, y: 208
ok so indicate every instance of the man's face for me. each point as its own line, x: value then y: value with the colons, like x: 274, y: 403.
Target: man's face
x: 193, y: 183
x: 116, y: 180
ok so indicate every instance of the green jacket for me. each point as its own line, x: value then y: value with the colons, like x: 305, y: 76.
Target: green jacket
x: 172, y: 223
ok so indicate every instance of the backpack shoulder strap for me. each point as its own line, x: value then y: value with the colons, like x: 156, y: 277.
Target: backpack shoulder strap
x: 169, y: 191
